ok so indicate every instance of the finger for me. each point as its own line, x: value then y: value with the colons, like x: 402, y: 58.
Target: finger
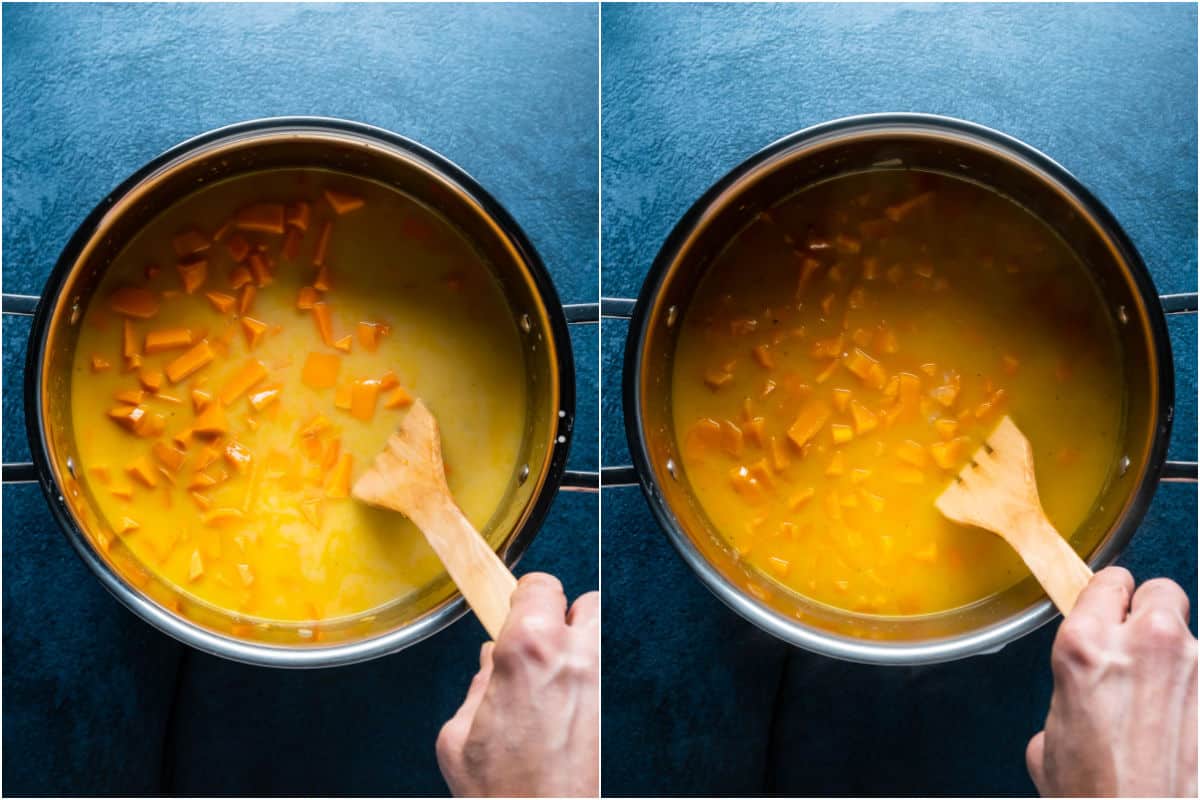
x: 585, y: 610
x: 1161, y: 594
x: 1106, y: 597
x: 478, y: 688
x: 1035, y: 760
x: 538, y: 598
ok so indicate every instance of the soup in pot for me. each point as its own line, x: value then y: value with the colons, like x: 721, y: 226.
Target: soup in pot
x: 848, y: 351
x: 245, y: 358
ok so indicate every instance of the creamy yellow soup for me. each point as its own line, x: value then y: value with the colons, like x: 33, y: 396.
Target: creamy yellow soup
x: 244, y: 360
x: 850, y: 349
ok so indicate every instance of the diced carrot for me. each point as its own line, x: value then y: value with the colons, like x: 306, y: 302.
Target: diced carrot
x: 125, y: 525
x: 886, y: 341
x: 864, y: 418
x: 222, y: 516
x: 716, y: 378
x: 207, y: 455
x: 194, y: 359
x: 745, y: 484
x: 132, y: 362
x: 260, y: 400
x: 388, y: 380
x: 164, y: 339
x: 190, y: 242
x: 368, y: 335
x: 133, y: 397
x: 341, y: 397
x: 99, y: 363
x: 322, y: 244
x: 239, y: 277
x: 202, y: 501
x: 127, y: 416
x: 829, y: 369
x: 947, y: 455
x: 808, y: 423
x: 866, y: 368
x: 306, y: 298
x: 129, y: 339
x: 330, y: 456
x: 168, y: 456
x: 946, y: 428
x: 311, y: 446
x: 324, y: 321
x: 779, y: 455
x: 344, y: 343
x: 910, y: 390
x: 291, y: 245
x: 246, y: 298
x: 841, y: 433
x: 221, y: 302
x: 211, y: 421
x: 141, y: 470
x: 260, y: 217
x: 202, y: 480
x: 260, y: 269
x: 193, y: 274
x: 249, y: 374
x: 131, y: 301
x: 297, y: 215
x: 316, y: 426
x: 122, y: 492
x: 343, y: 203
x: 238, y: 455
x: 254, y: 330
x: 837, y: 464
x: 762, y: 354
x: 339, y: 477
x: 913, y: 453
x: 732, y: 439
x: 841, y: 399
x: 151, y: 425
x: 363, y: 395
x: 859, y: 475
x: 320, y: 370
x: 755, y: 430
x: 873, y: 500
x: 238, y: 248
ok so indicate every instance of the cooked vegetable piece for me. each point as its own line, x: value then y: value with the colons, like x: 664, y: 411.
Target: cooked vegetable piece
x: 220, y: 301
x: 324, y: 321
x: 247, y: 376
x: 190, y: 242
x: 306, y: 298
x: 363, y: 395
x: 211, y: 421
x: 808, y: 423
x: 260, y: 400
x: 163, y: 339
x: 342, y: 202
x: 368, y: 335
x: 168, y: 456
x: 142, y: 471
x: 190, y: 362
x: 339, y: 477
x: 134, y: 302
x: 261, y: 218
x: 320, y: 370
x: 254, y: 330
x: 344, y: 343
x: 322, y: 244
x: 298, y: 215
x: 193, y: 274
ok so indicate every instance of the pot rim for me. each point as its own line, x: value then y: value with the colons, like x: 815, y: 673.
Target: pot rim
x: 226, y: 646
x: 988, y: 639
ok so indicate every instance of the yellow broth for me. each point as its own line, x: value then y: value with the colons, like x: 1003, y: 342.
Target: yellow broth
x: 849, y: 350
x: 247, y: 508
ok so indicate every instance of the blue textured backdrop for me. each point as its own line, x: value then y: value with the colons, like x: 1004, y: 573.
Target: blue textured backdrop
x: 695, y: 699
x: 95, y: 701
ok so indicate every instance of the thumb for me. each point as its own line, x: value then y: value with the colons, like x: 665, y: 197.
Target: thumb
x: 1035, y: 754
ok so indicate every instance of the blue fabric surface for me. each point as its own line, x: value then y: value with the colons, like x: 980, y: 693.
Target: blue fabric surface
x: 696, y: 701
x: 97, y: 702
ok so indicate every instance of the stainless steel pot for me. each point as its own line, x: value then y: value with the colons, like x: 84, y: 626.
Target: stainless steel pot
x: 247, y: 148
x: 893, y: 141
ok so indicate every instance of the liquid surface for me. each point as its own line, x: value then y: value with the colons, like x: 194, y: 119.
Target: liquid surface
x: 847, y: 353
x: 231, y: 482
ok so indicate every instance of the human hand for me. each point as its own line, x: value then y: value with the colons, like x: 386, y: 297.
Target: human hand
x: 530, y: 724
x: 1122, y: 719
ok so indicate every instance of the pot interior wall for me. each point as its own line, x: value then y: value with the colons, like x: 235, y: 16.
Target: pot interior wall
x: 728, y: 208
x: 95, y: 248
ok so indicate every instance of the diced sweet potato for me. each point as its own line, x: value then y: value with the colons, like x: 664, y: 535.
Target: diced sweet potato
x: 190, y: 362
x: 913, y: 453
x: 249, y: 374
x: 100, y: 363
x: 368, y: 335
x: 206, y: 456
x: 779, y: 455
x: 388, y: 380
x: 190, y: 242
x: 841, y: 433
x: 127, y: 416
x: 809, y: 422
x: 800, y: 498
x: 261, y: 218
x: 220, y: 301
x: 163, y: 339
x: 240, y: 277
x: 260, y: 400
x: 746, y: 485
x: 211, y: 421
x: 260, y: 269
x: 732, y: 439
x: 306, y: 298
x: 291, y: 245
x: 238, y: 456
x: 254, y: 330
x: 193, y: 274
x: 238, y: 248
x: 246, y: 298
x: 311, y: 510
x: 129, y: 339
x: 168, y: 456
x: 945, y: 394
x: 142, y: 471
x: 344, y: 343
x: 947, y: 455
x: 899, y: 211
x: 341, y: 397
x: 841, y: 399
x: 133, y: 397
x: 323, y: 317
x: 126, y: 525
x: 320, y: 370
x: 837, y: 465
x: 222, y: 516
x: 363, y: 396
x: 946, y: 428
x: 151, y: 425
x: 322, y: 282
x: 339, y: 477
x: 864, y: 418
x: 322, y: 244
x: 131, y: 301
x: 398, y: 398
x: 200, y: 500
x: 762, y: 354
x: 316, y: 426
x: 343, y: 203
x: 298, y: 215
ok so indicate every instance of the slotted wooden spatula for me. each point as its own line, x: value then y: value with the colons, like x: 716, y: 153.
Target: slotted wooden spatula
x: 409, y: 477
x: 997, y: 490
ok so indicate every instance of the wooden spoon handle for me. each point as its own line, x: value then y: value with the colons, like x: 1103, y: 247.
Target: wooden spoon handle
x: 1055, y: 564
x: 479, y: 573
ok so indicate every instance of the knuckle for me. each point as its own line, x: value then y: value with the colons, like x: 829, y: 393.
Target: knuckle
x: 1076, y: 642
x: 449, y: 742
x: 1161, y: 629
x: 528, y: 640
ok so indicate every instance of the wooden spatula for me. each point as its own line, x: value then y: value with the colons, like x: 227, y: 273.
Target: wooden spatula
x: 409, y: 477
x: 998, y: 491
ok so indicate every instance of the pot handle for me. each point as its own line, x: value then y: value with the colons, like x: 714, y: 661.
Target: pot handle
x: 21, y: 304
x: 1173, y: 471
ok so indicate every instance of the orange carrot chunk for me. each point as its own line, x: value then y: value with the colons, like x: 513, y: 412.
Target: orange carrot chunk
x: 194, y: 359
x: 254, y: 330
x: 238, y: 455
x: 399, y: 398
x: 239, y: 277
x: 242, y: 381
x: 190, y: 242
x: 320, y: 370
x: 246, y: 298
x: 131, y: 301
x: 389, y: 380
x: 99, y: 363
x: 129, y: 339
x: 211, y: 421
x: 306, y: 298
x: 260, y: 400
x: 261, y: 217
x: 238, y: 248
x: 127, y: 416
x: 339, y: 477
x: 808, y: 423
x: 368, y: 335
x: 343, y: 203
x: 133, y: 397
x: 324, y: 321
x: 221, y: 302
x: 341, y: 397
x: 193, y: 274
x: 167, y: 339
x: 322, y: 244
x: 344, y: 343
x: 322, y: 282
x: 363, y: 395
x: 151, y: 425
x: 168, y: 456
x: 297, y: 215
x: 291, y: 245
x: 151, y: 379
x: 142, y: 471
